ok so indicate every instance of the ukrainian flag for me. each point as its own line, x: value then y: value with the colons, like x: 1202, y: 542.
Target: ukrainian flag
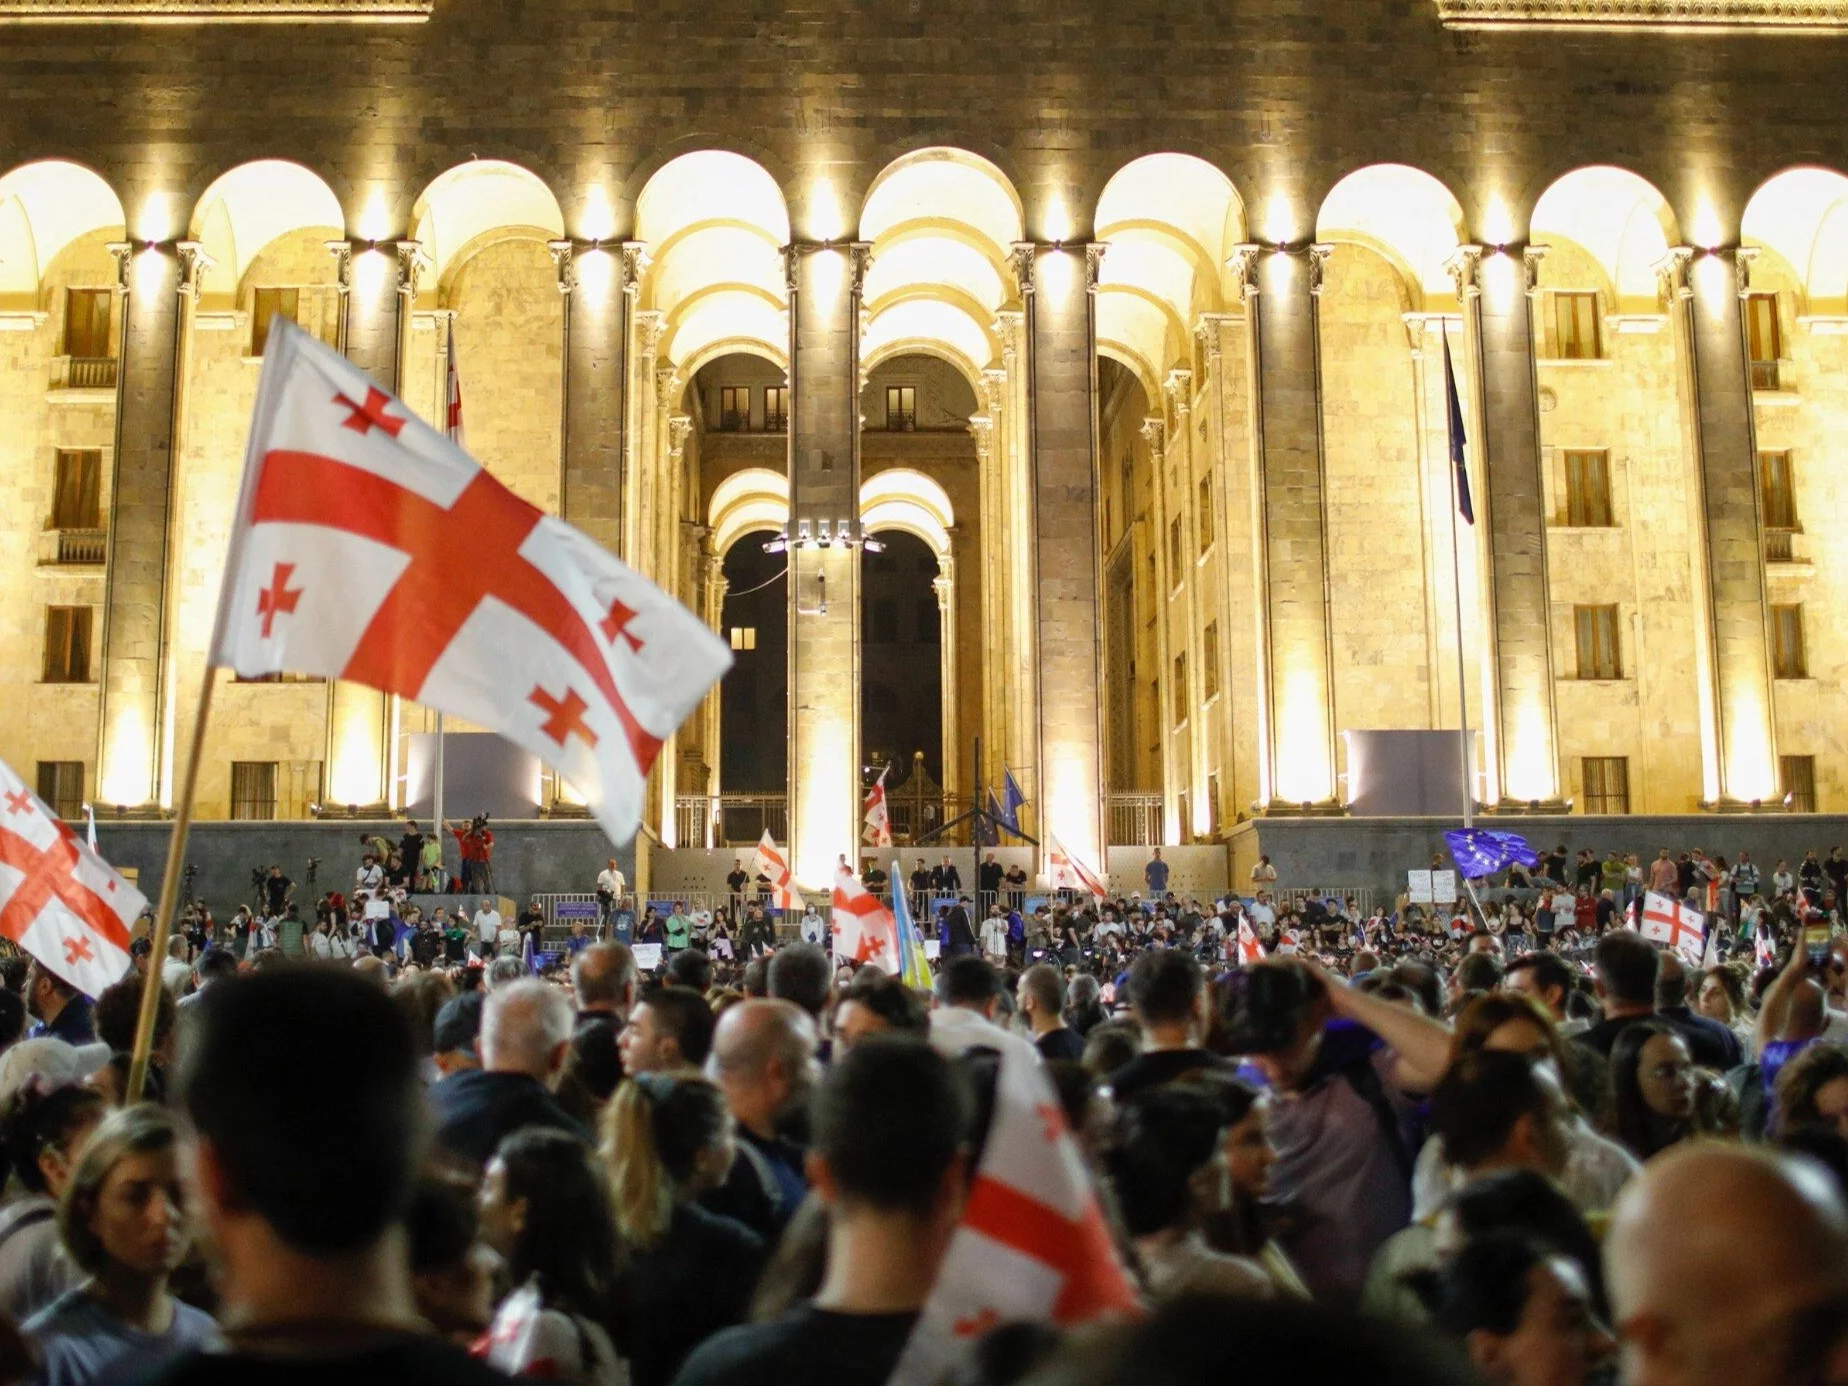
x: 914, y: 967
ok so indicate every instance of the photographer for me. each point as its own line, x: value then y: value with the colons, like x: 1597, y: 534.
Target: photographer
x: 1344, y: 1067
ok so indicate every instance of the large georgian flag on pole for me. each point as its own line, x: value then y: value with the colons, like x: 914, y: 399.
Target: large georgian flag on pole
x: 1032, y: 1245
x: 369, y: 547
x: 878, y: 830
x: 1667, y: 920
x: 768, y: 860
x: 864, y: 930
x: 59, y: 900
x: 1066, y: 872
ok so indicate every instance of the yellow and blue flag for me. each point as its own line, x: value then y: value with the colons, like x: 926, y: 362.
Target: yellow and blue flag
x: 913, y: 965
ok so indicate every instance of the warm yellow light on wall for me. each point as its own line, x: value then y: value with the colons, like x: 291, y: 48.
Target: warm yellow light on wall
x: 1751, y: 769
x: 374, y: 222
x: 1057, y: 217
x: 596, y: 270
x: 1283, y: 220
x: 1501, y: 279
x: 150, y: 270
x: 1305, y: 772
x: 355, y: 775
x: 1531, y: 772
x: 599, y: 221
x: 1059, y: 271
x: 156, y: 220
x: 1705, y: 226
x: 370, y: 270
x: 826, y: 218
x: 127, y: 759
x: 1498, y: 226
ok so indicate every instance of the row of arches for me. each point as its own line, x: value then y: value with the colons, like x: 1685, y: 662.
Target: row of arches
x: 941, y: 224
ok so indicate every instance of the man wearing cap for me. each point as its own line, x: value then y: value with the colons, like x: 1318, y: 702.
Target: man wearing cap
x: 458, y: 1031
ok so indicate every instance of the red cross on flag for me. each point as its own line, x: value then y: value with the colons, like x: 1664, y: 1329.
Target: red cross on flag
x: 1032, y: 1244
x: 1287, y: 942
x: 59, y: 900
x: 878, y: 830
x: 1249, y: 949
x: 864, y: 930
x: 1065, y: 872
x: 768, y: 860
x: 1667, y: 920
x: 369, y: 547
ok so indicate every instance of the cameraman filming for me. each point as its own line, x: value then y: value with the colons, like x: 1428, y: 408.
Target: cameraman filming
x: 1344, y: 1069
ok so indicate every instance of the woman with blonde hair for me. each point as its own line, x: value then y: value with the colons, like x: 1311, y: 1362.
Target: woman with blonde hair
x: 667, y: 1139
x: 123, y: 1221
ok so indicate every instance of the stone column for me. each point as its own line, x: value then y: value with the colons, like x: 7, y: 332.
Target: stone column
x: 1154, y: 434
x: 1010, y: 540
x: 598, y: 285
x: 646, y: 326
x: 1192, y: 749
x: 990, y: 721
x: 944, y: 585
x: 378, y: 291
x: 824, y: 560
x: 1738, y: 736
x: 1518, y: 718
x: 1296, y: 705
x: 1061, y: 372
x: 158, y: 286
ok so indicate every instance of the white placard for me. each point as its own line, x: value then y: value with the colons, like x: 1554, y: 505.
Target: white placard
x: 933, y: 948
x: 1444, y: 887
x: 1418, y: 886
x: 647, y: 956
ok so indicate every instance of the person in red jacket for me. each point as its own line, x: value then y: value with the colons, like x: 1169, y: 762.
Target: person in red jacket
x: 476, y: 842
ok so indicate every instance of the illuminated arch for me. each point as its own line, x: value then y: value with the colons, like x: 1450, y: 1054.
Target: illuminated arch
x: 1404, y: 214
x: 460, y: 211
x: 1801, y: 215
x: 1616, y: 217
x: 44, y: 207
x: 753, y: 499
x: 907, y: 500
x: 250, y: 207
x: 715, y: 223
x: 1170, y: 221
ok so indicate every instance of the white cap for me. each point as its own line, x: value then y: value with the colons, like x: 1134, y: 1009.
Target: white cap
x: 56, y: 1062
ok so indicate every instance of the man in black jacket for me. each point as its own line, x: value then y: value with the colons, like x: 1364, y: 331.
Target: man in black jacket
x: 525, y: 1038
x: 961, y: 935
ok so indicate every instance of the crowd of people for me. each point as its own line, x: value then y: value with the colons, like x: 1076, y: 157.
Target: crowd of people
x: 1413, y: 1146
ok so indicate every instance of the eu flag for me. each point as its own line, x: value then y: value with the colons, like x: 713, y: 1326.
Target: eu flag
x: 1482, y: 852
x: 1012, y: 801
x: 1457, y: 438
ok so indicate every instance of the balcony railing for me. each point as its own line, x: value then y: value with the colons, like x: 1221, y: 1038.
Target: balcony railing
x: 1780, y: 545
x: 744, y: 818
x: 1764, y: 375
x: 81, y: 546
x: 90, y: 373
x: 1135, y: 820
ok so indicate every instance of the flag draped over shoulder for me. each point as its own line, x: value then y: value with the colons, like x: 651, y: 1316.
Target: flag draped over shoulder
x: 60, y: 901
x: 1032, y: 1245
x: 371, y: 548
x: 913, y: 963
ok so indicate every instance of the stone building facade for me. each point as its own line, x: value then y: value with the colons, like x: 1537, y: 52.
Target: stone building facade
x: 1176, y: 293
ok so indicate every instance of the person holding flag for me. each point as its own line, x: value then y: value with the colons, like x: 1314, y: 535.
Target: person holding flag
x: 878, y: 819
x: 770, y: 864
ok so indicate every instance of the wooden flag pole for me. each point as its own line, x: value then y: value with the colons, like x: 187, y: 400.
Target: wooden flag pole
x: 169, y: 898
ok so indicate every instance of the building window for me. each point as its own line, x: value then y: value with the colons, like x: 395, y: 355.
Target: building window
x: 1607, y: 784
x: 1575, y: 327
x: 1212, y: 804
x: 86, y: 323
x: 901, y: 408
x: 67, y: 644
x: 744, y: 637
x: 1588, y: 489
x: 1177, y: 543
x: 1764, y: 339
x: 1798, y: 776
x: 1180, y: 687
x: 266, y: 306
x: 1788, y: 659
x: 253, y: 789
x: 1597, y: 642
x: 1206, y: 512
x: 285, y: 676
x: 60, y: 784
x: 776, y: 409
x: 734, y: 408
x: 76, y: 501
x: 1779, y: 495
x: 1209, y: 653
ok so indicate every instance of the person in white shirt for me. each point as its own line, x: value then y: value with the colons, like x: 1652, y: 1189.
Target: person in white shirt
x: 994, y: 936
x: 488, y: 927
x: 370, y: 875
x: 1261, y: 912
x: 968, y: 997
x: 812, y: 928
x: 612, y: 885
x: 175, y: 971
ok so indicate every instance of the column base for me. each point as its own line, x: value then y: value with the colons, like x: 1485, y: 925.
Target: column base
x: 132, y: 813
x: 564, y: 810
x: 1537, y: 808
x: 359, y: 812
x: 1727, y: 804
x: 1284, y: 808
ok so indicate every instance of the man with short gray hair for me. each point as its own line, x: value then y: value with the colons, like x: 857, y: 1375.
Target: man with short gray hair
x: 763, y: 1061
x: 525, y: 1037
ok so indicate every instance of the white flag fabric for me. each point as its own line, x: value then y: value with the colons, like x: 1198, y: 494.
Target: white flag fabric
x: 864, y: 930
x: 60, y: 901
x: 1032, y: 1244
x: 878, y: 819
x: 369, y: 547
x: 1667, y: 920
x: 1066, y: 872
x: 769, y: 861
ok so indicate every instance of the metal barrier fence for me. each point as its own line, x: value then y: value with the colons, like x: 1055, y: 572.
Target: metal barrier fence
x: 1362, y: 896
x: 1134, y: 820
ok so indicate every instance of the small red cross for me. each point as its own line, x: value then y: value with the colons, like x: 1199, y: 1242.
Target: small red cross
x: 564, y: 716
x: 78, y: 950
x: 365, y: 417
x: 278, y: 598
x: 1052, y: 1122
x: 977, y: 1324
x: 18, y: 801
x: 616, y: 625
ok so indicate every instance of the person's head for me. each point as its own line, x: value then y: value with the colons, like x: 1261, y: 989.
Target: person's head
x: 422, y: 996
x: 456, y: 1036
x: 890, y: 1126
x: 1482, y: 941
x: 1627, y: 966
x: 801, y: 974
x: 118, y: 1013
x: 123, y: 1211
x: 452, y: 1269
x: 970, y: 983
x: 763, y: 1060
x: 1652, y: 1086
x: 504, y: 972
x: 1494, y: 1109
x: 1167, y: 1163
x: 1511, y: 1023
x: 667, y: 1138
x: 47, y: 994
x: 1082, y: 991
x: 526, y: 1028
x: 1729, y: 1267
x: 1671, y: 988
x: 1721, y: 995
x: 1518, y: 1199
x: 545, y: 1207
x: 1812, y: 1089
x: 1274, y: 1013
x: 1522, y: 1312
x: 1110, y: 1045
x: 1040, y: 994
x: 1477, y: 972
x: 603, y: 978
x: 1167, y: 993
x: 43, y: 1131
x: 879, y: 1007
x: 670, y: 1027
x: 690, y: 968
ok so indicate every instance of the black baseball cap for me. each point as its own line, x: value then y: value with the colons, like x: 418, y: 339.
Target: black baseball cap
x: 458, y: 1024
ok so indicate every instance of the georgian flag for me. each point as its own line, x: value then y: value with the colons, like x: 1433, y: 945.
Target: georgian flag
x: 1250, y: 950
x: 1667, y: 920
x: 878, y: 830
x: 768, y: 860
x: 60, y: 901
x: 864, y: 930
x: 1287, y: 942
x: 369, y: 547
x: 452, y: 392
x: 1066, y: 872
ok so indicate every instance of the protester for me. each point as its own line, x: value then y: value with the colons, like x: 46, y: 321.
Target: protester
x: 1039, y: 998
x: 1812, y: 1089
x: 878, y: 1006
x: 525, y: 1038
x: 969, y: 995
x: 1522, y: 1312
x: 763, y: 1061
x: 1167, y: 996
x: 123, y: 1221
x: 452, y: 1269
x: 1653, y: 1085
x: 62, y: 1012
x: 43, y: 1131
x: 669, y: 1028
x: 545, y: 1209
